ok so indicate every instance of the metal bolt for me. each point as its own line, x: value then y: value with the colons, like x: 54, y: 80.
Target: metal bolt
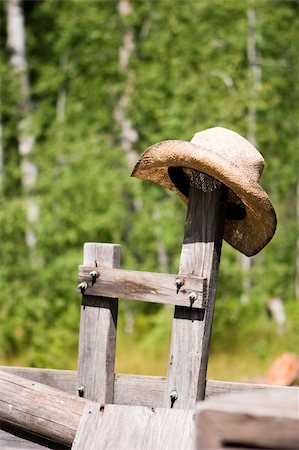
x: 82, y: 286
x: 179, y: 283
x: 192, y: 297
x: 173, y: 397
x: 94, y: 275
x: 81, y: 390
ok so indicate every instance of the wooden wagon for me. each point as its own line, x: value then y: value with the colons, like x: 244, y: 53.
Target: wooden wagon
x: 95, y: 408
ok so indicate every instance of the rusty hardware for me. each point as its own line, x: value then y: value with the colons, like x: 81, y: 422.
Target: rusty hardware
x: 81, y: 390
x: 173, y: 397
x: 179, y: 283
x: 94, y: 275
x: 192, y: 297
x: 82, y: 287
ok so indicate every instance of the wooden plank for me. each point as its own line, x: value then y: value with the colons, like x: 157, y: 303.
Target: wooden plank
x: 220, y: 388
x: 97, y: 338
x: 134, y: 427
x: 191, y: 329
x: 139, y: 390
x: 65, y: 380
x: 39, y: 409
x: 134, y: 389
x: 265, y: 419
x: 88, y: 433
x: 144, y: 286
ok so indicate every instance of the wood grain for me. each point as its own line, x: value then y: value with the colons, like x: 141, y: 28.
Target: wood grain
x: 134, y: 427
x: 265, y: 419
x: 191, y: 329
x: 144, y: 286
x: 135, y: 389
x: 39, y: 409
x: 97, y: 338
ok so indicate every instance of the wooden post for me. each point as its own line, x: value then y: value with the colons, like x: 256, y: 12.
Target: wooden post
x: 191, y: 329
x: 97, y: 339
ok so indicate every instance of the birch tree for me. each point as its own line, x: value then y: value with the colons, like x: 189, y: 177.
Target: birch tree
x: 128, y: 134
x: 1, y: 157
x: 17, y: 49
x: 254, y: 84
x: 297, y: 247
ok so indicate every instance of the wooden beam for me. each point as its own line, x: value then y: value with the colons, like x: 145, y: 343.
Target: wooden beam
x: 136, y: 389
x: 136, y: 427
x: 64, y: 380
x: 264, y: 419
x: 144, y: 286
x: 97, y: 338
x: 39, y: 409
x: 191, y: 330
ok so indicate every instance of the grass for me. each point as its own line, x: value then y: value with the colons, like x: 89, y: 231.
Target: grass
x: 130, y: 359
x: 245, y: 342
x: 238, y: 366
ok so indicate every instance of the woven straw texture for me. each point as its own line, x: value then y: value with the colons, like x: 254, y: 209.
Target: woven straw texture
x: 231, y: 159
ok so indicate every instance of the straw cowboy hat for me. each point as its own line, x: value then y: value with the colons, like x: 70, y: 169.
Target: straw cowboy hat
x: 229, y: 158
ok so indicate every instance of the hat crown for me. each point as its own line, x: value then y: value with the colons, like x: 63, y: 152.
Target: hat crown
x: 234, y: 148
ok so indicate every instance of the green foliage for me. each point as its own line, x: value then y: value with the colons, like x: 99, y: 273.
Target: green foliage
x: 188, y: 71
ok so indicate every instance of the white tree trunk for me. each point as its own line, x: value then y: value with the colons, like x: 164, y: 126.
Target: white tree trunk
x: 127, y: 132
x: 255, y: 75
x: 297, y: 247
x: 16, y: 46
x: 255, y: 79
x: 61, y: 96
x: 1, y: 156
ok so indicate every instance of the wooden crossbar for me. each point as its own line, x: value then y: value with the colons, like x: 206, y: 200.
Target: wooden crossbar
x: 143, y: 390
x: 144, y: 286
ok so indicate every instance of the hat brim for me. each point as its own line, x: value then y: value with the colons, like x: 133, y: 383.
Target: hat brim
x: 248, y: 235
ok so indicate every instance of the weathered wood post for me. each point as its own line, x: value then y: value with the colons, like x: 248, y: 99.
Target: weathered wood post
x: 216, y: 164
x: 97, y: 338
x: 200, y: 257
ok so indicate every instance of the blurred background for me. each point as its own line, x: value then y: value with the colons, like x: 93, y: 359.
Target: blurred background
x: 86, y: 86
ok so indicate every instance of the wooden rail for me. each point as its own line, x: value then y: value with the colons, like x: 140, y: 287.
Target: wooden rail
x: 144, y: 286
x: 135, y: 389
x: 264, y: 419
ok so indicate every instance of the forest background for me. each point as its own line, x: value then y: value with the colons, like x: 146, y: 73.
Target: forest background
x: 86, y: 86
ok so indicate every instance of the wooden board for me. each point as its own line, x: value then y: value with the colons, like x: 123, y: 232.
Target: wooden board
x: 120, y: 427
x: 191, y: 330
x: 39, y: 409
x: 97, y: 338
x: 144, y: 286
x: 135, y: 389
x: 265, y: 419
x: 64, y: 380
